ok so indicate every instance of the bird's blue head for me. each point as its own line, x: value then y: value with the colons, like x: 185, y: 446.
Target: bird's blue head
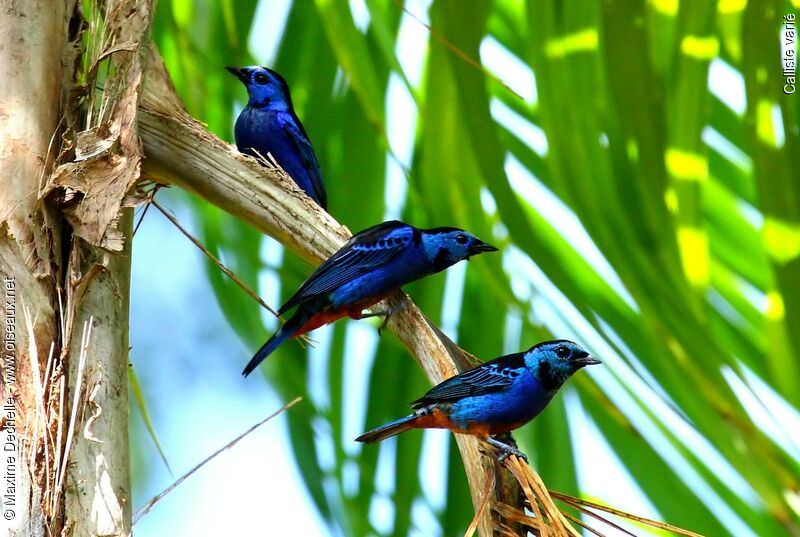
x: 446, y: 246
x: 265, y: 87
x: 553, y: 362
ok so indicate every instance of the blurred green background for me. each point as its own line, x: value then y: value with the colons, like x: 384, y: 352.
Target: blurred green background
x: 639, y: 165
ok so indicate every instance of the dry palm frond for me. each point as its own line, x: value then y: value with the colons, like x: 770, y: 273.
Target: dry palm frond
x: 544, y: 518
x: 485, y: 495
x: 585, y: 507
x: 549, y: 520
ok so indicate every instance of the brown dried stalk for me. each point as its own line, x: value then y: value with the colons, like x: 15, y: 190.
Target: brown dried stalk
x: 149, y: 505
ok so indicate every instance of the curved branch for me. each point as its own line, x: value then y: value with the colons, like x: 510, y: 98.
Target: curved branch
x: 181, y: 152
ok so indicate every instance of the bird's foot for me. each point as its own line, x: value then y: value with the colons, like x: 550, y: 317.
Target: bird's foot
x: 386, y: 313
x: 511, y: 451
x: 506, y: 450
x: 394, y: 309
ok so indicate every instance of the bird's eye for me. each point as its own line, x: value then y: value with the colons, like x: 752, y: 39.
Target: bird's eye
x: 562, y: 352
x: 461, y: 238
x: 261, y: 78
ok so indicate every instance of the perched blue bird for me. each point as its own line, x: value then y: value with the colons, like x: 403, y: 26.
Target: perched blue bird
x: 494, y: 398
x: 269, y: 125
x: 369, y: 267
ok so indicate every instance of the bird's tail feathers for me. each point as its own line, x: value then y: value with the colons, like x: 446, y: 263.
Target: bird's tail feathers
x: 389, y: 429
x: 287, y: 331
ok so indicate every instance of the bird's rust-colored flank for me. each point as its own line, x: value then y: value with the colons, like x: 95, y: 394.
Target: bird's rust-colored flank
x: 355, y: 311
x: 439, y: 419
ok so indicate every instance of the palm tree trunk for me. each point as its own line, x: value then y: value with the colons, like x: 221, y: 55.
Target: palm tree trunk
x: 65, y: 262
x: 33, y: 35
x: 97, y: 496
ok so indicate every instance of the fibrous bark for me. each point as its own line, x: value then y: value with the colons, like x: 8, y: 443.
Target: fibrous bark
x: 33, y: 36
x: 65, y: 252
x: 91, y: 188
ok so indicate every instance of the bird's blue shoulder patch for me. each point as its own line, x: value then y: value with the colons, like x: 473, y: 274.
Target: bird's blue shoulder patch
x: 394, y: 238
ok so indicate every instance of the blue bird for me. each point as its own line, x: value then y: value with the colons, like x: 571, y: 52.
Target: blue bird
x: 369, y: 267
x: 268, y: 124
x: 495, y: 397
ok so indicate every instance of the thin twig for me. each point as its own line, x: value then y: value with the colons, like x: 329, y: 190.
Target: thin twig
x: 61, y: 320
x: 39, y: 414
x: 269, y: 162
x: 49, y: 150
x: 149, y: 505
x: 485, y: 495
x: 513, y: 515
x: 304, y: 339
x: 553, y: 512
x: 85, y: 339
x: 514, y: 464
x: 228, y: 272
x: 151, y: 195
x: 57, y: 455
x: 46, y: 431
x: 458, y: 52
x: 576, y: 502
x: 33, y: 355
x: 581, y: 523
x: 589, y: 512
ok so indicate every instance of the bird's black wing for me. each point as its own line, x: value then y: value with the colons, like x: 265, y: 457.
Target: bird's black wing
x: 492, y: 376
x: 297, y: 134
x: 365, y: 251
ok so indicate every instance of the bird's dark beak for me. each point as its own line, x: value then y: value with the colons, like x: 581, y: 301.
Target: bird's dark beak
x: 242, y: 73
x: 478, y: 247
x: 586, y: 359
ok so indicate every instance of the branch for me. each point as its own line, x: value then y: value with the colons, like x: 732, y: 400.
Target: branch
x: 180, y: 151
x: 157, y: 498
